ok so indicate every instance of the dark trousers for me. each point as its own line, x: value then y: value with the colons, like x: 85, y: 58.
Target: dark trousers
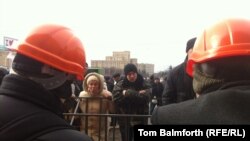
x: 126, y: 125
x: 127, y: 133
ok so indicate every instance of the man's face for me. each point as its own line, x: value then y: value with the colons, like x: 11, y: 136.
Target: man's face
x: 116, y: 78
x: 131, y: 76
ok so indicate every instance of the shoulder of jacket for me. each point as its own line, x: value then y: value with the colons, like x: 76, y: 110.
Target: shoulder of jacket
x: 65, y: 135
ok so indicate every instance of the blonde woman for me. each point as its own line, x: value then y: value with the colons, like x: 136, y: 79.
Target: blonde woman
x: 95, y: 100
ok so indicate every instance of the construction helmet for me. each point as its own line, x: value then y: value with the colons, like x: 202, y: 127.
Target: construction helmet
x: 227, y: 38
x: 56, y: 46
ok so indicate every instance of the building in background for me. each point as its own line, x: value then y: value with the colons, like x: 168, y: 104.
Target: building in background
x: 148, y: 68
x: 117, y: 62
x: 111, y: 64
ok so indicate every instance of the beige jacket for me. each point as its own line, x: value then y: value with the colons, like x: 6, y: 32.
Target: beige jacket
x: 98, y: 104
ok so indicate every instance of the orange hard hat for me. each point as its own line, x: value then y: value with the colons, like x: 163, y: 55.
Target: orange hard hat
x: 230, y: 37
x: 56, y: 46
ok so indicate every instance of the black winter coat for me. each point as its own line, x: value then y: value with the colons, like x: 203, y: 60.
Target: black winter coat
x: 157, y: 89
x: 132, y: 102
x: 227, y: 105
x: 179, y: 86
x: 27, y: 109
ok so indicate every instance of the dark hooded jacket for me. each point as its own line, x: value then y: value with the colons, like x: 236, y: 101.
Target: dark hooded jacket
x: 29, y: 112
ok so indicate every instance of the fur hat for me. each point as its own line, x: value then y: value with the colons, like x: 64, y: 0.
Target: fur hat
x: 130, y: 68
x: 190, y: 44
x: 92, y: 78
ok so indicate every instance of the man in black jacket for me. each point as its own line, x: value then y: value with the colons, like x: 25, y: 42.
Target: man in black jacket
x: 179, y: 86
x: 131, y: 96
x: 45, y: 65
x: 156, y: 96
x: 220, y: 68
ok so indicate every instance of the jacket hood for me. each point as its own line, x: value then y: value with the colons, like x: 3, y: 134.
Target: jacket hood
x: 98, y: 76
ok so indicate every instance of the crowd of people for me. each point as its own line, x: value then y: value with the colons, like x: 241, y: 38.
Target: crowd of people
x: 211, y: 86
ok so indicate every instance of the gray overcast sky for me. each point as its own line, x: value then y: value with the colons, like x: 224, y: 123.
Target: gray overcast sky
x: 154, y: 31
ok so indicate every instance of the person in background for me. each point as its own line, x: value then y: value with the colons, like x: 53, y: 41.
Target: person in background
x: 95, y: 100
x: 219, y: 65
x: 116, y: 78
x: 156, y: 97
x: 179, y: 86
x: 109, y: 83
x: 46, y: 63
x: 131, y: 96
x: 3, y: 72
x: 151, y: 80
x: 71, y: 105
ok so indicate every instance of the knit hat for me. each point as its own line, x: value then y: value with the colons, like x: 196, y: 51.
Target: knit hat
x: 48, y: 77
x: 190, y: 44
x: 26, y: 65
x: 130, y: 68
x: 209, y: 76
